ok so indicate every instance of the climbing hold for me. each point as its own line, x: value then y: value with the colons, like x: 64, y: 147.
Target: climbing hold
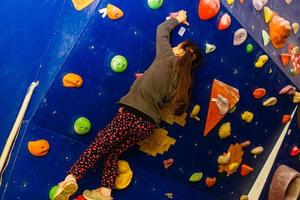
x: 289, y: 89
x: 295, y: 151
x: 246, y: 143
x: 261, y: 61
x: 240, y: 37
x: 80, y: 197
x: 195, y: 112
x: 222, y: 104
x: 270, y: 102
x: 244, y: 197
x: 113, y: 12
x: 257, y: 150
x: 296, y: 98
x: 247, y: 116
x: 82, y: 126
x: 268, y: 14
x: 168, y: 163
x: 72, y: 80
x: 52, y: 192
x: 118, y: 64
x: 288, y: 1
x: 233, y: 167
x: 207, y: 9
x: 224, y: 22
x: 295, y: 27
x: 232, y: 110
x: 279, y: 31
x: 225, y: 130
x: 265, y: 37
x: 209, y: 48
x: 230, y: 2
x: 285, y: 58
x: 124, y: 175
x: 81, y: 4
x: 138, y: 75
x: 38, y: 147
x: 197, y: 176
x: 224, y: 159
x: 286, y: 118
x: 169, y: 195
x: 249, y: 48
x: 293, y: 72
x: 155, y: 4
x: 259, y: 4
x: 259, y: 93
x: 245, y: 170
x: 210, y: 181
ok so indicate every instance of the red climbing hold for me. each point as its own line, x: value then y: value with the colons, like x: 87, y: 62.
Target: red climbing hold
x: 295, y: 151
x: 138, y: 75
x: 207, y: 9
x: 245, y: 170
x: 80, y: 197
x: 224, y: 22
x: 210, y: 181
x: 286, y: 119
x: 285, y: 58
x: 259, y: 93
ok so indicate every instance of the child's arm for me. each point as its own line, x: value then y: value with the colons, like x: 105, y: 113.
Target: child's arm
x: 163, y: 46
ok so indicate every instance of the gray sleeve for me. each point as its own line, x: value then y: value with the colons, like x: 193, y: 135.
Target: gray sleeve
x: 163, y: 46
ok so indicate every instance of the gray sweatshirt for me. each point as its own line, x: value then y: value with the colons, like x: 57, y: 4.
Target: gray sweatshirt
x: 150, y: 93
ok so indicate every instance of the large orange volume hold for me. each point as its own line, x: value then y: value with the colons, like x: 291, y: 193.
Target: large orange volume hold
x: 207, y: 9
x: 279, y: 31
x: 229, y: 98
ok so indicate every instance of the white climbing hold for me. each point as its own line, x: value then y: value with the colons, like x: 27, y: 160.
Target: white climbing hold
x: 240, y: 37
x: 259, y: 4
x: 295, y: 27
x: 288, y: 1
x: 265, y: 37
x: 209, y: 48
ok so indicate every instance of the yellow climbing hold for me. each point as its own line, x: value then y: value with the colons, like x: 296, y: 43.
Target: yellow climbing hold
x: 124, y: 175
x: 230, y: 2
x: 270, y: 102
x: 225, y: 130
x: 296, y: 98
x: 247, y: 116
x: 195, y: 112
x: 257, y: 150
x: 244, y: 197
x: 295, y: 27
x: 268, y: 14
x: 261, y: 61
x: 81, y: 4
x: 233, y: 167
x: 224, y: 159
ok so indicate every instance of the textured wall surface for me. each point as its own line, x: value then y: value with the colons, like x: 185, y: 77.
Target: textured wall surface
x: 87, y: 48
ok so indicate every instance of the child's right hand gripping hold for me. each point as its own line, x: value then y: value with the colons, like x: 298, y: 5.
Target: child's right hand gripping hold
x: 180, y: 16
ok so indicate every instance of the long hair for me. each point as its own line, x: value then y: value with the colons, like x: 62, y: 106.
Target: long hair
x: 181, y: 77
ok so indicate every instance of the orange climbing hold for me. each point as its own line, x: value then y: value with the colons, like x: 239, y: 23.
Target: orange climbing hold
x: 207, y: 9
x: 285, y: 58
x: 81, y: 4
x: 259, y: 93
x: 72, y: 80
x: 224, y: 22
x: 210, y: 181
x: 245, y: 170
x: 113, y: 12
x: 279, y: 31
x: 223, y: 98
x: 286, y: 119
x: 38, y: 148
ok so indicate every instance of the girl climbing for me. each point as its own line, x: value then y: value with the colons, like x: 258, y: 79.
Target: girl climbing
x: 167, y: 81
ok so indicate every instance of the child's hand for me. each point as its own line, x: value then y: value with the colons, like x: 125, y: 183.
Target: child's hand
x: 181, y: 17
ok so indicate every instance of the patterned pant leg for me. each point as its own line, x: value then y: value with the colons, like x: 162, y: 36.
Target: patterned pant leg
x: 109, y: 175
x: 109, y: 137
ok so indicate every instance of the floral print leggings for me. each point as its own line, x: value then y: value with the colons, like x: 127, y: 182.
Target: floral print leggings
x: 126, y: 129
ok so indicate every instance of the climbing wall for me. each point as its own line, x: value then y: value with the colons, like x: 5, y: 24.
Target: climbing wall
x: 133, y: 36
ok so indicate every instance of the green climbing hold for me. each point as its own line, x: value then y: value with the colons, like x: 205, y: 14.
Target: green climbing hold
x: 249, y: 48
x: 232, y: 110
x: 155, y: 4
x: 118, y: 64
x: 82, y: 126
x: 197, y: 176
x: 293, y: 72
x: 52, y: 192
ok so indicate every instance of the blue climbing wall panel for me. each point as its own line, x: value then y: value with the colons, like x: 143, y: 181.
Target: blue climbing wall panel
x: 87, y: 49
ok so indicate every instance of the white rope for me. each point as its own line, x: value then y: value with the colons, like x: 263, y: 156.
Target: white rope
x: 9, y: 145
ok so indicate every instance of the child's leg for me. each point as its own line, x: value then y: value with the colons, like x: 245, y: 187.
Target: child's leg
x: 109, y: 137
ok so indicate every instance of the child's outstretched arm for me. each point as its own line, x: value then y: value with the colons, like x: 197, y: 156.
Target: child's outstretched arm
x: 163, y: 46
